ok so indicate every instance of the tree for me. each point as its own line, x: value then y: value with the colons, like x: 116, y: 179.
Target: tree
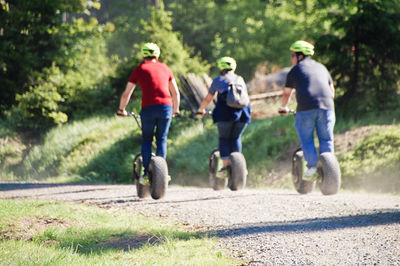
x: 362, y: 51
x: 252, y: 32
x: 28, y: 42
x: 63, y: 66
x: 158, y: 29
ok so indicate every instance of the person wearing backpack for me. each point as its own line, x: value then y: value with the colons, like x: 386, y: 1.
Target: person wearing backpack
x: 232, y: 112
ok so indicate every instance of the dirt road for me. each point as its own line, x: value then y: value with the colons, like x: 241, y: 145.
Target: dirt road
x: 263, y: 227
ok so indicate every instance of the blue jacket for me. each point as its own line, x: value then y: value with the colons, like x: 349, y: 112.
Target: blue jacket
x: 222, y: 112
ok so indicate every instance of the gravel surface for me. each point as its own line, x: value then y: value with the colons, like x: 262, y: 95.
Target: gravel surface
x: 262, y: 227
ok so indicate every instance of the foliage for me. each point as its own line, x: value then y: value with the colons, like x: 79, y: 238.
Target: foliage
x: 71, y: 85
x: 365, y: 68
x: 190, y: 34
x: 54, y: 70
x: 252, y: 32
x: 179, y: 57
x: 126, y: 15
x: 11, y: 154
x: 73, y: 234
x: 27, y: 43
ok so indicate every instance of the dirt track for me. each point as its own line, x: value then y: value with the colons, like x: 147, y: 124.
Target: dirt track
x: 260, y: 226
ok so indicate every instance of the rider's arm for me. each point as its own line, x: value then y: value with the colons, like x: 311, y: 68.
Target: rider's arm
x: 176, y: 97
x: 206, y: 101
x: 126, y: 96
x: 287, y: 93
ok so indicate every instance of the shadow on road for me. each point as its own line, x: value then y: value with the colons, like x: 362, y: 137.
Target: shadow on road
x: 7, y: 186
x: 382, y: 217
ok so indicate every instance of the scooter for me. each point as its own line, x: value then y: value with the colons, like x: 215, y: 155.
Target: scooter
x: 157, y: 172
x: 237, y: 171
x: 328, y: 170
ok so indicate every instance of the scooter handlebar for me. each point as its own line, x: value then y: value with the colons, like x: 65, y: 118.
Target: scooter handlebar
x: 285, y: 112
x: 208, y: 112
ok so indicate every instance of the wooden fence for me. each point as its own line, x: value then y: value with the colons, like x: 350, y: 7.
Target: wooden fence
x: 194, y: 88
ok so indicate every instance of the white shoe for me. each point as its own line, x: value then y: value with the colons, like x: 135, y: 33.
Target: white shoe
x: 310, y: 171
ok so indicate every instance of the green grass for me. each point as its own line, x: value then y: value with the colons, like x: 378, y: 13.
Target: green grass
x: 264, y: 142
x: 101, y: 149
x: 71, y: 151
x: 374, y: 164
x: 345, y: 123
x: 51, y: 233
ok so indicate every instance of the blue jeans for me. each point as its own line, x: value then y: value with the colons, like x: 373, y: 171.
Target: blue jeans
x: 230, y: 134
x: 321, y: 120
x: 159, y: 117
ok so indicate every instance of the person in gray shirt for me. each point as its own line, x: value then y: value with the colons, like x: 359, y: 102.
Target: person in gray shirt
x: 315, y: 107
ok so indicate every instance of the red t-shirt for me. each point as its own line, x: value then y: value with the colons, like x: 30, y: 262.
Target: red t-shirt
x: 154, y: 78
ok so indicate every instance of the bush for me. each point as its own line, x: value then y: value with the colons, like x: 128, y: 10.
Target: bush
x: 74, y: 85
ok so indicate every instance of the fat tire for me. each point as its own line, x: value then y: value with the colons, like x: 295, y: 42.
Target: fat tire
x: 329, y: 175
x: 158, y: 176
x: 237, y: 171
x: 142, y: 191
x: 215, y: 182
x: 301, y: 186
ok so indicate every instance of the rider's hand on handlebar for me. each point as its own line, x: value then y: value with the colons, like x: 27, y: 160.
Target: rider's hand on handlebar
x: 283, y: 110
x: 201, y: 112
x: 122, y: 112
x: 176, y: 113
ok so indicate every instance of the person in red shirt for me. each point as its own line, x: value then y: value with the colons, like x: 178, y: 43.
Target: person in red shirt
x: 158, y: 107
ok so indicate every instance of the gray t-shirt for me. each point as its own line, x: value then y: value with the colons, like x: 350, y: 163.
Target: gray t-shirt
x: 312, y: 83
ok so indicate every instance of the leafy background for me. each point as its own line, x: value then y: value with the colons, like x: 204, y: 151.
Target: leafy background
x: 64, y: 65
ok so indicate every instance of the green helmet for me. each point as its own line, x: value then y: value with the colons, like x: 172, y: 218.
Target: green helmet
x: 150, y: 49
x: 226, y: 63
x: 303, y: 47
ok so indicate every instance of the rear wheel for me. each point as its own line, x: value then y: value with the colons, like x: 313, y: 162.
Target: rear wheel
x: 301, y: 186
x: 158, y: 176
x: 215, y: 182
x: 142, y: 191
x: 328, y: 173
x: 237, y: 171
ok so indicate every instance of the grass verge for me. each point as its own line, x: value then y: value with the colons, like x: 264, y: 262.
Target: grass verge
x: 374, y: 164
x: 52, y: 233
x: 101, y: 149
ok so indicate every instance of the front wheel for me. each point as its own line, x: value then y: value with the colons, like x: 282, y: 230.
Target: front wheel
x: 158, y: 176
x: 142, y: 190
x: 301, y: 186
x: 329, y: 175
x: 237, y: 171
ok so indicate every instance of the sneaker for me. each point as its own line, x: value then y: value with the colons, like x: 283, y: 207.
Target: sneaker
x: 222, y: 173
x: 144, y: 180
x: 310, y: 172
